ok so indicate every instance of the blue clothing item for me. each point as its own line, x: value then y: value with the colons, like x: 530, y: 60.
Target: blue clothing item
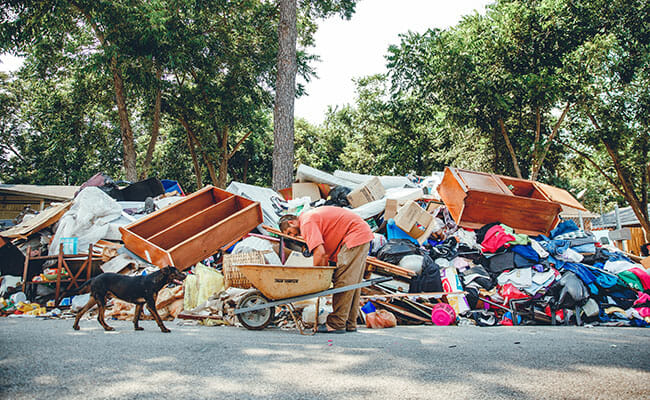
x: 585, y: 275
x: 394, y: 232
x: 564, y: 227
x: 585, y: 248
x: 602, y: 316
x: 605, y: 280
x: 526, y: 252
x: 615, y: 256
x: 639, y: 323
x: 555, y: 247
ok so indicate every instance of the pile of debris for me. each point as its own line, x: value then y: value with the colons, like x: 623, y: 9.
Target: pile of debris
x: 462, y: 247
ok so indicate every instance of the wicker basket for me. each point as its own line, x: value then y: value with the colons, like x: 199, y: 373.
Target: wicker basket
x: 232, y: 276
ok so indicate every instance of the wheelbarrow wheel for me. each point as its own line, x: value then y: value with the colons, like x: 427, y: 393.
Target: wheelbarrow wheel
x: 255, y: 320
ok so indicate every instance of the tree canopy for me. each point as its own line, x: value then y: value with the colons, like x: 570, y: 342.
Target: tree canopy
x: 549, y: 90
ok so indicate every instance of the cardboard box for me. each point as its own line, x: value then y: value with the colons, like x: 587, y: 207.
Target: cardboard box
x: 366, y: 192
x: 391, y: 209
x: 308, y: 189
x: 414, y: 220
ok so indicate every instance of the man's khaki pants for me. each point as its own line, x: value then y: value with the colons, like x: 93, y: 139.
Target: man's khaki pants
x: 350, y: 267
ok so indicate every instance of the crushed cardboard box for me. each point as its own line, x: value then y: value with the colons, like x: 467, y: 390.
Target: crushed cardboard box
x: 366, y: 192
x: 307, y: 189
x: 415, y: 221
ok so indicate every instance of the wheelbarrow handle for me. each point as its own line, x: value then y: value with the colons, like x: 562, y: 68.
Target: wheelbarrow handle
x: 341, y: 289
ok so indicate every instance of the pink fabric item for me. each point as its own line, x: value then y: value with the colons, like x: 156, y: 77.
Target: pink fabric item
x: 643, y: 277
x: 495, y: 238
x: 643, y: 297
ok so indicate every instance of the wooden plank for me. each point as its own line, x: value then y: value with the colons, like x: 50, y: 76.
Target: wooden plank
x: 560, y: 196
x: 145, y: 249
x: 205, y: 243
x: 194, y: 224
x: 38, y: 222
x: 402, y: 311
x: 190, y: 205
x: 634, y: 244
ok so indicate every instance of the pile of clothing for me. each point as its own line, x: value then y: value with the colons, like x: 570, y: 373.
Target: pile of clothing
x: 509, y: 275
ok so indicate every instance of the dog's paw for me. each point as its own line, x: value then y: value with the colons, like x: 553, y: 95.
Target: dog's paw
x: 75, y: 327
x: 109, y: 328
x: 165, y: 330
x: 139, y: 328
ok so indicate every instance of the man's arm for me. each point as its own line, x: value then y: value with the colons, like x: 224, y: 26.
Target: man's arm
x: 320, y: 257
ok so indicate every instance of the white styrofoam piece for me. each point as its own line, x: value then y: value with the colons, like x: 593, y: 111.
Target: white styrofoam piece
x: 308, y: 174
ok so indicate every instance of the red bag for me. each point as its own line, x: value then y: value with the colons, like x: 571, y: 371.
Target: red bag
x: 510, y: 292
x: 381, y: 319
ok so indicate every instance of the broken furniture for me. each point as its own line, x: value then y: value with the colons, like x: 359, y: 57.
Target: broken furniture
x: 477, y: 198
x: 192, y: 229
x: 74, y: 279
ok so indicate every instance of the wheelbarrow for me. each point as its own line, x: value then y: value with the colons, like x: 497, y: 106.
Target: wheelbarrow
x: 282, y: 285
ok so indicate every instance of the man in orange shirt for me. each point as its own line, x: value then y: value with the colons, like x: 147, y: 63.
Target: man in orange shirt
x: 339, y: 235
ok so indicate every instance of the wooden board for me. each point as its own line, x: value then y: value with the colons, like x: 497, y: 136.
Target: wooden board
x: 477, y: 198
x: 192, y: 229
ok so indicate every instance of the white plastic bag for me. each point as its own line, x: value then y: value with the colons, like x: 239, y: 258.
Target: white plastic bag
x: 78, y: 302
x: 88, y: 219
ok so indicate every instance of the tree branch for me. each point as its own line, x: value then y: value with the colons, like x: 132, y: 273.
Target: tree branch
x: 515, y: 163
x: 13, y: 150
x: 239, y: 143
x: 592, y: 162
x: 538, y: 161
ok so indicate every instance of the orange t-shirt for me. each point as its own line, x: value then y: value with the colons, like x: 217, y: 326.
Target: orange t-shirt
x: 333, y: 227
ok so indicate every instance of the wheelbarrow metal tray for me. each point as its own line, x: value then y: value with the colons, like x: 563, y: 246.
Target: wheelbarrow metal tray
x: 281, y: 282
x: 192, y: 229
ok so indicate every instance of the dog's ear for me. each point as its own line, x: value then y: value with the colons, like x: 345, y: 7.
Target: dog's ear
x: 168, y: 270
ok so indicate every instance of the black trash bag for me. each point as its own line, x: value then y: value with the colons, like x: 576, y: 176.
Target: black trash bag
x: 568, y: 292
x: 429, y: 278
x: 396, y: 249
x: 447, y: 249
x: 105, y: 183
x: 139, y: 191
x: 338, y: 197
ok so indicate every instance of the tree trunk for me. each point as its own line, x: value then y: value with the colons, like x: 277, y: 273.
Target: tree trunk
x: 195, y: 162
x: 128, y: 144
x: 245, y: 172
x: 511, y: 150
x: 283, y: 133
x: 225, y: 157
x: 640, y: 210
x: 206, y: 159
x: 155, y: 128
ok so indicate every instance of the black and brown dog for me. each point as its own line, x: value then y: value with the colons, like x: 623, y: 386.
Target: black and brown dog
x: 139, y: 290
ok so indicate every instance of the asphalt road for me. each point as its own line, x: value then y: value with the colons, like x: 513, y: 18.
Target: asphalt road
x: 46, y: 359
